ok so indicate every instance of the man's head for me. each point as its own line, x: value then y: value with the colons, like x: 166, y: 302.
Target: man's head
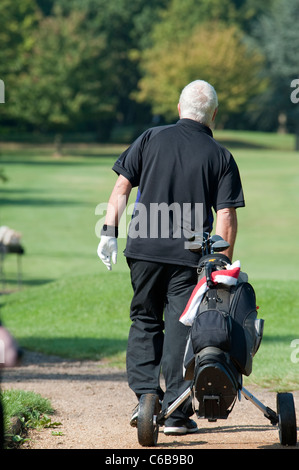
x: 198, y: 101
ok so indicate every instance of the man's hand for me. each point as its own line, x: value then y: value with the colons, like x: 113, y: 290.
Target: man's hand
x: 107, y: 250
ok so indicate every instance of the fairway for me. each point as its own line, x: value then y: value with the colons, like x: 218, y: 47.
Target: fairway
x: 52, y: 202
x: 72, y: 306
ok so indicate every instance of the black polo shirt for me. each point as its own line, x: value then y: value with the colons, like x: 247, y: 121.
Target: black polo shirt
x: 182, y: 173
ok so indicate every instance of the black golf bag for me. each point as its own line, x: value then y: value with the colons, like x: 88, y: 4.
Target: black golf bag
x: 223, y: 338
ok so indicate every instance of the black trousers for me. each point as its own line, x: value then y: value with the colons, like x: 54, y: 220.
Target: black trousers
x: 158, y: 341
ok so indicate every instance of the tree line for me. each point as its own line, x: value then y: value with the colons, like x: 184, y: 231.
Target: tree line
x: 97, y: 65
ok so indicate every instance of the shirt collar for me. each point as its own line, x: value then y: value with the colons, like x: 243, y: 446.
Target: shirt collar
x: 195, y: 125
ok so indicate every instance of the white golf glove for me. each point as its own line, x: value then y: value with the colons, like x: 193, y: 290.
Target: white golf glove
x: 107, y: 250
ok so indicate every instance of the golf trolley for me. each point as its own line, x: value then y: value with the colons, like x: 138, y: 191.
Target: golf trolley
x: 224, y: 336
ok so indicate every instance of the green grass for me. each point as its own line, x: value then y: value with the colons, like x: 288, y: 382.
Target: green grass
x: 84, y: 317
x: 268, y: 226
x: 30, y: 408
x: 278, y: 306
x: 52, y: 202
x: 255, y: 140
x: 72, y: 306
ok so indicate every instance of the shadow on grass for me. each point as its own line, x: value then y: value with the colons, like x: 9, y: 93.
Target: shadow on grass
x: 286, y: 339
x: 5, y: 201
x: 74, y: 159
x: 11, y: 286
x: 67, y: 359
x: 75, y: 348
x: 247, y: 144
x: 28, y: 282
x: 242, y: 144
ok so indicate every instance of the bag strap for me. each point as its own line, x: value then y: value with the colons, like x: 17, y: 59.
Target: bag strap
x: 212, y: 299
x: 224, y: 296
x: 217, y: 298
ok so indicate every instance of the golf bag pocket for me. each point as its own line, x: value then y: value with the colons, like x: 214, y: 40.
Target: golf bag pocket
x: 211, y: 328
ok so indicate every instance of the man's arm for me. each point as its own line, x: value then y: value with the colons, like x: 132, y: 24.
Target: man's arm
x: 118, y: 201
x: 107, y: 248
x: 226, y: 227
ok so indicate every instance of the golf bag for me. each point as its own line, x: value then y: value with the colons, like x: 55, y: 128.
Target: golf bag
x: 223, y: 338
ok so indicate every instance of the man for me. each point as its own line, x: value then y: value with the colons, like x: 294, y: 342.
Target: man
x: 181, y: 168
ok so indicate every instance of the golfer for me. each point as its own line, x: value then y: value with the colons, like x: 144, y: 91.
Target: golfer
x: 183, y: 177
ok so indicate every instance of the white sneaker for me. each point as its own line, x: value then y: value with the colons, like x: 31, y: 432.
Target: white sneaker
x: 183, y: 427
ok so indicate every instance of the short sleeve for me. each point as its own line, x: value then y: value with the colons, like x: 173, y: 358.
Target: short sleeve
x: 229, y: 192
x: 129, y: 164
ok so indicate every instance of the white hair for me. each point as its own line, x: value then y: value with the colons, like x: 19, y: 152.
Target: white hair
x: 198, y: 101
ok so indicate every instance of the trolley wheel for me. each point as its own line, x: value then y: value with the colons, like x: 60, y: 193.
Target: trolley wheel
x: 147, y: 427
x: 287, y: 419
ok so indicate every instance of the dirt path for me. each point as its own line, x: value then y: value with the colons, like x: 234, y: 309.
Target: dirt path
x: 94, y: 405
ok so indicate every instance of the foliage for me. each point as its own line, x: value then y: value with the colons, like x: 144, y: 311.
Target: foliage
x: 30, y: 408
x: 215, y: 53
x: 126, y: 27
x: 18, y: 20
x: 80, y: 65
x: 126, y: 24
x: 65, y: 74
x: 248, y: 11
x: 180, y: 19
x: 276, y: 34
x: 73, y: 65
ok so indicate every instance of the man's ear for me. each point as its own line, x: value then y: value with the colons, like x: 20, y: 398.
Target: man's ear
x: 215, y: 114
x: 179, y: 109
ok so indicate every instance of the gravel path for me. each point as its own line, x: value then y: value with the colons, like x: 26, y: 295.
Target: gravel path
x: 94, y: 405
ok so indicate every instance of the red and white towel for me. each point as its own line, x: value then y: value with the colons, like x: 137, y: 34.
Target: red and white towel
x: 228, y: 276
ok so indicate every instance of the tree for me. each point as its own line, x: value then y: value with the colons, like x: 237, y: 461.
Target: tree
x: 276, y: 35
x: 213, y: 52
x: 65, y: 84
x: 126, y: 26
x: 18, y: 20
x: 180, y: 19
x: 249, y: 11
x: 82, y: 65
